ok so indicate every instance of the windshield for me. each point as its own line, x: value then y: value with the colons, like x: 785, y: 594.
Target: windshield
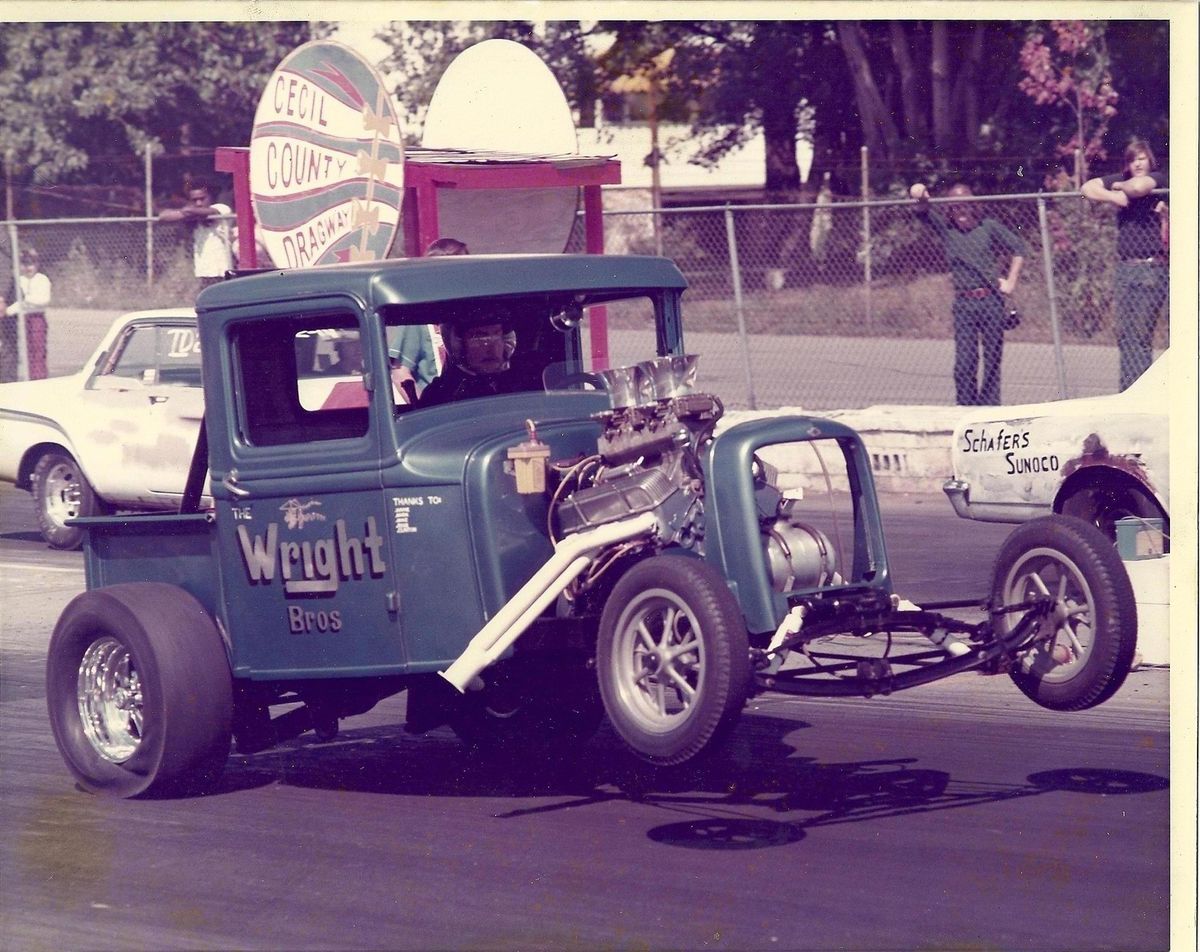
x: 452, y: 350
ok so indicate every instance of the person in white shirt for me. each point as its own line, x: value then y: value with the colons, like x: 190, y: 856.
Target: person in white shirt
x: 212, y: 247
x: 33, y: 291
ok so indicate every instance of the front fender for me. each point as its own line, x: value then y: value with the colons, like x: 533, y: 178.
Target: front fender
x: 733, y: 537
x: 24, y: 437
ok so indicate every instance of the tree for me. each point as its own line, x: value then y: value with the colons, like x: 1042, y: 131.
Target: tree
x: 927, y: 95
x: 75, y: 93
x: 1072, y: 76
x: 1073, y: 73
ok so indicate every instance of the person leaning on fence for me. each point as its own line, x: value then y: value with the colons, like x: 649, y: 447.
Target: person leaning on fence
x: 212, y: 247
x: 1141, y: 272
x: 30, y: 305
x: 971, y: 245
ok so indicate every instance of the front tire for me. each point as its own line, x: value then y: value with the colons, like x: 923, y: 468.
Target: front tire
x: 1091, y: 631
x: 673, y: 659
x: 139, y: 691
x: 62, y: 492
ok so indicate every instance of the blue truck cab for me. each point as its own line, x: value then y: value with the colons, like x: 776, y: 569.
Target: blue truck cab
x: 583, y: 541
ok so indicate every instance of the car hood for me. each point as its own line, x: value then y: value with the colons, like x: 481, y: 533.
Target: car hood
x: 38, y: 396
x: 1149, y: 395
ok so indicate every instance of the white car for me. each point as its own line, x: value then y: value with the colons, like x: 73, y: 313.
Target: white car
x: 1098, y: 458
x: 118, y: 434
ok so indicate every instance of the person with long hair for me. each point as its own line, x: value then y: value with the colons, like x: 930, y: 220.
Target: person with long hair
x: 1141, y: 284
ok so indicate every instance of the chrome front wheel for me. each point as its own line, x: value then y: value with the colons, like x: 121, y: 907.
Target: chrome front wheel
x: 1086, y: 640
x: 673, y: 658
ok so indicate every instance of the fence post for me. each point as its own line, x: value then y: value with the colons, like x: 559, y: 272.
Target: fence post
x: 866, y: 228
x: 149, y: 217
x: 736, y: 272
x: 1048, y: 267
x: 13, y: 241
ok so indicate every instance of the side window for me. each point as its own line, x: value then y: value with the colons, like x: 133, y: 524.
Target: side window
x: 135, y: 355
x: 179, y: 357
x: 301, y: 381
x: 329, y: 369
x: 150, y: 354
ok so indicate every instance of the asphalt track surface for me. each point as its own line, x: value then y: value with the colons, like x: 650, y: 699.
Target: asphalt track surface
x: 958, y: 815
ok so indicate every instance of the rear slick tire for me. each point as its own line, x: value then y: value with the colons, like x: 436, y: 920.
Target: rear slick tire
x: 1090, y: 633
x: 673, y: 659
x: 139, y: 691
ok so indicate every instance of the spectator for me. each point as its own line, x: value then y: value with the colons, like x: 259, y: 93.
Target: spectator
x: 416, y: 356
x: 1141, y: 273
x: 971, y: 246
x: 32, y: 292
x: 212, y: 249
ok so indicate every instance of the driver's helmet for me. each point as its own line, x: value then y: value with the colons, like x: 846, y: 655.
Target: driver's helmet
x: 482, y: 345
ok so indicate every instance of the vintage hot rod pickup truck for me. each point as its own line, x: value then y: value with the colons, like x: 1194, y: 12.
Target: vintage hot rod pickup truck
x: 582, y: 542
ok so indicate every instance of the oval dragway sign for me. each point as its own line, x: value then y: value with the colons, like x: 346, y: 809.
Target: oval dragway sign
x: 326, y: 160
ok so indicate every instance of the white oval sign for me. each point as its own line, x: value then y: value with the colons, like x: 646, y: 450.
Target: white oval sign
x: 499, y: 97
x: 326, y: 160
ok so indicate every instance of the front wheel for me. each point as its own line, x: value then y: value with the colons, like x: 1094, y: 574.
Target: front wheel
x: 673, y: 658
x: 62, y: 492
x: 139, y: 691
x: 1090, y: 633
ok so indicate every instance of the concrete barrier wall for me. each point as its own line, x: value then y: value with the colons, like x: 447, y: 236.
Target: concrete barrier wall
x: 909, y: 446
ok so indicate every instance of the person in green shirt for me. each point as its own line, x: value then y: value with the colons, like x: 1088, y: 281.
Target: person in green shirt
x: 972, y: 246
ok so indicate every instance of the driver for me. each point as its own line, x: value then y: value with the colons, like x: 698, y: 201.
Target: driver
x: 479, y: 356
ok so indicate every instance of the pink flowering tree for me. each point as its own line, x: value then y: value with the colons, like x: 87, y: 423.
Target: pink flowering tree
x: 1068, y: 72
x: 1071, y: 70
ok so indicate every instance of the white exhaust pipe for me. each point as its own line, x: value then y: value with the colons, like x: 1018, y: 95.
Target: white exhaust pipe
x: 571, y: 556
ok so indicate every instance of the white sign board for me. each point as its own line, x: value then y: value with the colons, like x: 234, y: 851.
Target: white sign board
x: 326, y: 160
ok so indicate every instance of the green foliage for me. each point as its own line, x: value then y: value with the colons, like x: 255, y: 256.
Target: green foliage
x: 104, y: 278
x: 74, y: 92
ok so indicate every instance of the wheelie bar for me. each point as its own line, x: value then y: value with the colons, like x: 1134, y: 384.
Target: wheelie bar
x: 875, y: 675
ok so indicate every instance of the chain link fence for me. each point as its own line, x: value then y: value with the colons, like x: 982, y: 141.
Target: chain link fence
x: 848, y: 304
x: 822, y: 306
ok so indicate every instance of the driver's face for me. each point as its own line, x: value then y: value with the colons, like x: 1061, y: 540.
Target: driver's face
x: 483, y: 348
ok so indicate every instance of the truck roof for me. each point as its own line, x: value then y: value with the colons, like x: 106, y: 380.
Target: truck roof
x: 449, y: 278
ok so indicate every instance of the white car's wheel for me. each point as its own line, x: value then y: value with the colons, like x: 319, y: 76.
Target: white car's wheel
x: 62, y: 492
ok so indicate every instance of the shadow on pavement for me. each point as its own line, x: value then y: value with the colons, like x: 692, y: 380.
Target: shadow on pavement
x: 723, y: 798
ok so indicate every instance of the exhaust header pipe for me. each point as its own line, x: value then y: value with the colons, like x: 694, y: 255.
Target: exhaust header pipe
x: 571, y: 556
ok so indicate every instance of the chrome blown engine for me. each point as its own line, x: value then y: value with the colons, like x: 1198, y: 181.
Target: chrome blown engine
x: 648, y: 461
